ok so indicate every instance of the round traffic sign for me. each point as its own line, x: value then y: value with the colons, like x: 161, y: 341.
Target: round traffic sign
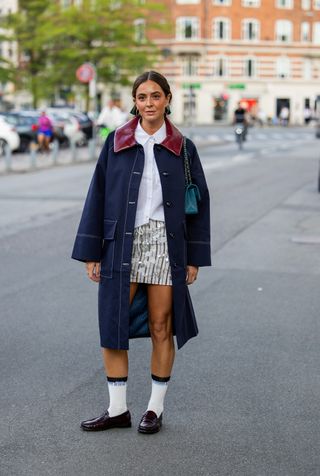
x: 85, y: 73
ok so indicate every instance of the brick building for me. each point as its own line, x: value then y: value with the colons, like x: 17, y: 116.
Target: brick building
x: 265, y: 53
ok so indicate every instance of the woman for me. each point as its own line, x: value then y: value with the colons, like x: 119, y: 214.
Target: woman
x: 45, y: 132
x: 137, y: 241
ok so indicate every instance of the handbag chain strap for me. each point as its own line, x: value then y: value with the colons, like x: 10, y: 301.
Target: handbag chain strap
x: 187, y: 172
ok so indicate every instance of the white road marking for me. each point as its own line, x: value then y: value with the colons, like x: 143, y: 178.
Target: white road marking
x: 227, y: 163
x: 214, y: 138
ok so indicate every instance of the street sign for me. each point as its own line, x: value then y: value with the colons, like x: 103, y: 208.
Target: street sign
x: 86, y: 73
x: 237, y: 86
x: 191, y: 85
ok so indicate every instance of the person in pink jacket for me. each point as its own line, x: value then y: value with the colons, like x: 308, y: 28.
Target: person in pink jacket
x: 45, y: 132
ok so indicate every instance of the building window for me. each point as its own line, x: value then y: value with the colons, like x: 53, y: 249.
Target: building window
x: 250, y: 29
x: 187, y: 28
x: 184, y: 2
x: 249, y: 67
x: 283, y: 30
x: 306, y: 4
x: 283, y: 67
x: 221, y: 29
x: 316, y: 4
x: 305, y: 31
x: 307, y: 69
x: 284, y: 4
x: 190, y: 65
x: 251, y: 3
x: 222, y: 2
x: 316, y: 33
x: 139, y: 30
x: 221, y: 67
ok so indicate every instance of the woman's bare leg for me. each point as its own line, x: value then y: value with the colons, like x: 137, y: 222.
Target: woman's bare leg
x: 160, y: 323
x: 162, y: 357
x: 116, y: 361
x: 40, y: 141
x: 47, y: 143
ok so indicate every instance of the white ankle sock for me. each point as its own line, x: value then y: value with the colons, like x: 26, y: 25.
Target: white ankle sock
x: 158, y: 392
x: 117, y: 397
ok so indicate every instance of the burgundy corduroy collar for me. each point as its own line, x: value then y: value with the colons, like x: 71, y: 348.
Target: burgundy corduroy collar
x: 124, y: 137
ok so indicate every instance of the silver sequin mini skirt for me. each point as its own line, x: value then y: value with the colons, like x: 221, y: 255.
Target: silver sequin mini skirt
x: 150, y: 260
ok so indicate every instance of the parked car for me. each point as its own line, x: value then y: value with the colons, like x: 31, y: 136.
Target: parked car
x: 8, y: 136
x: 85, y: 124
x: 25, y: 125
x: 69, y: 124
x: 80, y: 120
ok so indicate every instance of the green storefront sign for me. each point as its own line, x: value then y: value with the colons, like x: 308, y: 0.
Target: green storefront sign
x: 237, y: 86
x: 191, y: 85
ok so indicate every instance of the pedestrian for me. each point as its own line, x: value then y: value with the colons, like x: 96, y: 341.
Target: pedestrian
x: 307, y: 115
x: 142, y: 248
x: 111, y: 116
x: 240, y: 116
x: 284, y: 116
x: 45, y: 132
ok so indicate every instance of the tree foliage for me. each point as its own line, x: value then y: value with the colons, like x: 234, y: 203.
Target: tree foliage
x: 54, y: 41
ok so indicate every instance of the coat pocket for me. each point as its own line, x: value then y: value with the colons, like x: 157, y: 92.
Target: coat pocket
x: 109, y: 232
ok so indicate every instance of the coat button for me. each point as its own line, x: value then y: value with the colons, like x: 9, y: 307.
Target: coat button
x: 174, y: 264
x: 172, y: 235
x: 169, y: 204
x: 165, y: 174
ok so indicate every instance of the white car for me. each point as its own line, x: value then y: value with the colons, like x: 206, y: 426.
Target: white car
x: 8, y: 136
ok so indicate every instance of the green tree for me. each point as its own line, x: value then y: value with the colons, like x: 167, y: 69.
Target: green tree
x: 55, y: 41
x: 6, y: 66
x: 24, y: 27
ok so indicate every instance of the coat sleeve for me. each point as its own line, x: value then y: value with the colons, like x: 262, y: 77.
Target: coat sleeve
x: 198, y: 225
x: 89, y: 239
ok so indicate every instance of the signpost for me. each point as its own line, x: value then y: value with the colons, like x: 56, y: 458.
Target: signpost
x: 86, y: 73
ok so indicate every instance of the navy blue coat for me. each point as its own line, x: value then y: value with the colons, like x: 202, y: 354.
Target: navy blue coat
x: 106, y: 228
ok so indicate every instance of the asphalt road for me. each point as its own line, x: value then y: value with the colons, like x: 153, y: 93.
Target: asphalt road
x: 244, y: 397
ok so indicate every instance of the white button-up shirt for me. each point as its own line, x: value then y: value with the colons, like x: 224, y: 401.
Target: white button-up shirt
x: 150, y: 201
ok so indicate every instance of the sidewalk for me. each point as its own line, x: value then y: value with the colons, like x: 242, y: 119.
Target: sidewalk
x: 30, y: 162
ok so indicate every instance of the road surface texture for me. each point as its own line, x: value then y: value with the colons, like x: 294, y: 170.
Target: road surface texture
x: 244, y: 396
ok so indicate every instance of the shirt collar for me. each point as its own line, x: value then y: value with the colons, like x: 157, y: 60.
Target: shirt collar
x: 142, y: 136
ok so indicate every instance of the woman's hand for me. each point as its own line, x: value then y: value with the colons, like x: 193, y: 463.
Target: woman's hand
x: 192, y: 272
x: 93, y: 271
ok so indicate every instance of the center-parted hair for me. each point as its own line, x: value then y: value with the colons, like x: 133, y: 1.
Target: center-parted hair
x: 152, y: 76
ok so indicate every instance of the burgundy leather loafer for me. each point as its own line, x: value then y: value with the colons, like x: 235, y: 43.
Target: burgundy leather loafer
x: 150, y: 423
x: 104, y: 422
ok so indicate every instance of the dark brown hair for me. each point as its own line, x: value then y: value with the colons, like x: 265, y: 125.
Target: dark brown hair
x: 152, y: 76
